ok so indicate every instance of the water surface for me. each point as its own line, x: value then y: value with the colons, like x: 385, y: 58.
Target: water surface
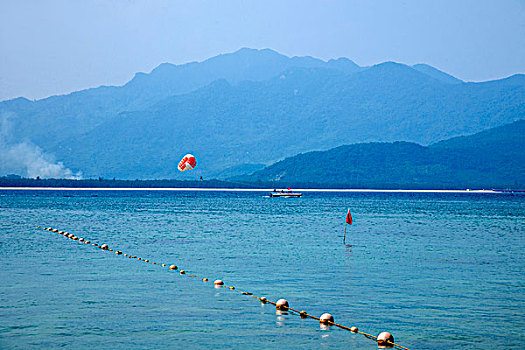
x: 438, y: 271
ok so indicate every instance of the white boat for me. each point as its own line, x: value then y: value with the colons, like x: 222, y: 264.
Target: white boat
x: 285, y: 194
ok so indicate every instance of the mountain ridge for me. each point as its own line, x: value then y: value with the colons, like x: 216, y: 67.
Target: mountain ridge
x: 436, y: 73
x: 260, y: 111
x: 252, y: 106
x: 491, y: 158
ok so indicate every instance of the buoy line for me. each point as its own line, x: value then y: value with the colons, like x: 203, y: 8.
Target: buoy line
x: 383, y: 339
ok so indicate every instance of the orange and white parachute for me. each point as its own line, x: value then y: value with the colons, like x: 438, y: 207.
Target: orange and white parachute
x: 188, y: 162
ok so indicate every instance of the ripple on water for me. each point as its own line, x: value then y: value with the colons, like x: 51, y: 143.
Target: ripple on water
x: 414, y: 264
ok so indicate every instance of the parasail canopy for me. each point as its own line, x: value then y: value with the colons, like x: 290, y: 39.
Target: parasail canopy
x: 187, y: 162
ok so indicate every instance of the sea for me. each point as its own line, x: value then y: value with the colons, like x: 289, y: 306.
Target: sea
x: 436, y: 270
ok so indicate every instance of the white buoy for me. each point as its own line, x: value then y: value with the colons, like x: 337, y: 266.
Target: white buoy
x: 326, y: 318
x: 282, y: 304
x: 383, y: 338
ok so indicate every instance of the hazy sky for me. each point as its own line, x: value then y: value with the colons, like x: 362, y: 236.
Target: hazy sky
x: 55, y: 47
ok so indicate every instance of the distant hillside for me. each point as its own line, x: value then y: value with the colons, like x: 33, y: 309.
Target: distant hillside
x: 247, y: 107
x: 492, y: 158
x: 303, y: 109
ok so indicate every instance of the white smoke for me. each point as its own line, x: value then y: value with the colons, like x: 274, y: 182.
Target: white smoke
x: 26, y: 159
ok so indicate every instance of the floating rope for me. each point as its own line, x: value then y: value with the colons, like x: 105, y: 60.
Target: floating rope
x: 384, y: 339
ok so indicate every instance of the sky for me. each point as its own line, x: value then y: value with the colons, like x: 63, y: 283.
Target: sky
x: 56, y: 47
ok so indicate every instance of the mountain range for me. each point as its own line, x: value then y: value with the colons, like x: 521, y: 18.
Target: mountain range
x: 491, y: 158
x: 240, y: 111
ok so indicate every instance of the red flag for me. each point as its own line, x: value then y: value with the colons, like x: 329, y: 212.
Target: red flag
x: 349, y: 218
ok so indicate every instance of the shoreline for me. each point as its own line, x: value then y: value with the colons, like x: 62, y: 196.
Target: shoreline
x: 172, y: 189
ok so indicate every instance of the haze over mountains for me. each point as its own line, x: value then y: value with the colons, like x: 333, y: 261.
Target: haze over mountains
x: 250, y: 107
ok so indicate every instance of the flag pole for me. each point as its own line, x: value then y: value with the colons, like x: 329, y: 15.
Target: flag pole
x: 348, y: 221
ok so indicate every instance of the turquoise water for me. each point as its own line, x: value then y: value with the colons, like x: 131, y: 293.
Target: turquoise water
x: 438, y: 271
